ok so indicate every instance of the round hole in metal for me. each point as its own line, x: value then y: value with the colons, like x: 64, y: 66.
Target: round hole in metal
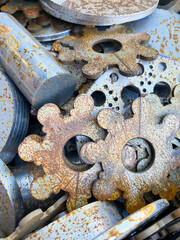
x: 99, y: 98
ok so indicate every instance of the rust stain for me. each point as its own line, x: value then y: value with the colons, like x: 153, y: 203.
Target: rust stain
x: 116, y: 177
x: 124, y: 58
x: 60, y: 173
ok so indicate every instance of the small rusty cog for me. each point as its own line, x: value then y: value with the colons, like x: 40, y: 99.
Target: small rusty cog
x: 60, y: 173
x: 116, y: 178
x: 129, y: 47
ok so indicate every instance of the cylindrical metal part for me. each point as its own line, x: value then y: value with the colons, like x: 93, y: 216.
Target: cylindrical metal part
x: 15, y: 195
x: 11, y: 206
x: 25, y: 174
x: 36, y: 73
x: 14, y: 118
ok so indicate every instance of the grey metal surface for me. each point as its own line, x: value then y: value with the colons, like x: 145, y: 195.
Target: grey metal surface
x: 40, y: 78
x: 84, y: 223
x: 135, y: 220
x: 15, y: 195
x: 163, y: 26
x: 11, y: 207
x: 14, y: 118
x: 99, y: 13
x: 60, y: 15
x: 25, y: 173
x: 56, y: 30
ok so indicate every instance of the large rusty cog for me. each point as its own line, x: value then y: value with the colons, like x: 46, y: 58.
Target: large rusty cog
x: 116, y: 178
x: 73, y: 48
x: 158, y: 113
x: 48, y: 151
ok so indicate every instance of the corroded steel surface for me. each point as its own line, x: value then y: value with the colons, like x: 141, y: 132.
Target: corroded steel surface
x: 85, y: 223
x: 11, y: 206
x: 172, y: 6
x: 100, y: 12
x: 37, y: 219
x: 163, y: 27
x: 30, y: 9
x: 137, y: 219
x: 14, y: 118
x: 83, y: 89
x: 34, y: 71
x: 159, y: 111
x: 160, y: 226
x: 145, y: 84
x: 116, y: 177
x: 25, y: 173
x: 60, y: 173
x: 75, y: 70
x: 124, y: 59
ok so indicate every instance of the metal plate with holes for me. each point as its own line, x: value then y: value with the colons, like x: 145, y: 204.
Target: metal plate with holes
x: 101, y: 12
x: 112, y: 90
x: 163, y: 27
x: 14, y: 118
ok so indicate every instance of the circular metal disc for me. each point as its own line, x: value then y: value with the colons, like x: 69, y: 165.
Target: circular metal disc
x: 56, y: 30
x: 14, y: 118
x: 100, y: 12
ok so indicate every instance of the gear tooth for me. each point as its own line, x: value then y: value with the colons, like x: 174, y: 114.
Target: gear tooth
x: 47, y: 113
x: 93, y: 152
x: 105, y: 191
x: 95, y: 70
x: 28, y: 147
x: 142, y: 37
x: 177, y: 91
x: 83, y: 106
x: 153, y: 98
x: 168, y: 191
x: 134, y: 203
x: 75, y: 202
x: 42, y: 188
x: 171, y: 123
x: 106, y: 116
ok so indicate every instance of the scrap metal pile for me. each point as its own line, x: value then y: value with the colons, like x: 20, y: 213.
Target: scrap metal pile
x: 89, y: 119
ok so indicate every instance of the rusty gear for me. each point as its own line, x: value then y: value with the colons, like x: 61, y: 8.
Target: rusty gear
x: 116, y: 177
x: 60, y: 173
x: 124, y: 58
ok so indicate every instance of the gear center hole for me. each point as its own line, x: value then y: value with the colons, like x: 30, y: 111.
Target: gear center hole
x: 138, y: 155
x: 107, y: 46
x: 71, y: 151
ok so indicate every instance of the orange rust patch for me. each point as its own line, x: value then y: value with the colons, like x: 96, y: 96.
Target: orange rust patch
x: 3, y: 31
